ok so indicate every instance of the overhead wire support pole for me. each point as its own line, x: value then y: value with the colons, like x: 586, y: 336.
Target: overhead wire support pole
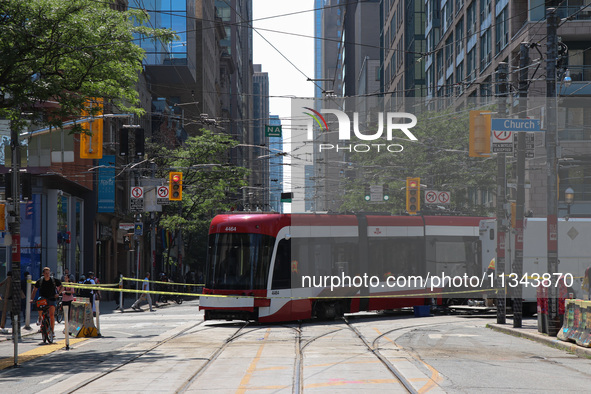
x: 551, y: 168
x: 501, y: 196
x: 520, y: 201
x: 15, y: 232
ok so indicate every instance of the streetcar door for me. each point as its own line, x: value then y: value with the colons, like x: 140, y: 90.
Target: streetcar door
x: 281, y: 280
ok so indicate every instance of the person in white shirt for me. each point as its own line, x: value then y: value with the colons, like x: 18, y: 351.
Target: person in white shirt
x: 144, y: 296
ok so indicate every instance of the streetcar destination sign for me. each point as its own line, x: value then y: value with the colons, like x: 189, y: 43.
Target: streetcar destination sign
x: 515, y: 125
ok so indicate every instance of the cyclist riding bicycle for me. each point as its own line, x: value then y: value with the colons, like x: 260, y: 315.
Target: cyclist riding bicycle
x: 49, y: 288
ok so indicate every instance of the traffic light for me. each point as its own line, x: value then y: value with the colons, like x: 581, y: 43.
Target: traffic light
x: 413, y: 195
x: 479, y: 134
x: 123, y: 142
x: 367, y: 193
x: 91, y: 138
x: 386, y: 190
x: 175, y: 185
x: 139, y: 142
x: 26, y: 182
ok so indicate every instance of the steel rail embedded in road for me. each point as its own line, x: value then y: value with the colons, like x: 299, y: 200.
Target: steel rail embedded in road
x: 383, y: 359
x: 111, y: 370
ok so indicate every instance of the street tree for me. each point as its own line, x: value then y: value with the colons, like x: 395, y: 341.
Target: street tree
x: 439, y: 157
x: 210, y: 184
x: 61, y: 53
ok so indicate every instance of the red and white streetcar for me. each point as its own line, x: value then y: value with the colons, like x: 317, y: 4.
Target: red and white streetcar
x: 280, y: 267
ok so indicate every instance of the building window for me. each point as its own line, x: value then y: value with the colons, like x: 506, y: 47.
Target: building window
x: 449, y: 51
x: 460, y: 37
x: 485, y: 50
x: 484, y: 9
x: 485, y: 90
x: 459, y: 5
x: 471, y: 20
x: 502, y: 31
x: 439, y: 59
x: 471, y: 66
x: 460, y: 78
x: 449, y: 86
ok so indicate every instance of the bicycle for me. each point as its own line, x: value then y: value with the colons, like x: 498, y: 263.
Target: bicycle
x: 59, y: 310
x: 46, y: 332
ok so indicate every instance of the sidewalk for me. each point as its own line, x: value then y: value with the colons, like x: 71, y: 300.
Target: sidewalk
x: 529, y: 330
x: 105, y: 308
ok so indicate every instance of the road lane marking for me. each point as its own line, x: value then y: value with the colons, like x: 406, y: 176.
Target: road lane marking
x: 52, y: 378
x: 37, y: 352
x: 439, y: 336
x: 253, y: 365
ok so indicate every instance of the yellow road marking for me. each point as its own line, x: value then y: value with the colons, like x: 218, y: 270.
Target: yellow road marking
x: 37, y: 352
x: 435, y: 376
x: 253, y: 365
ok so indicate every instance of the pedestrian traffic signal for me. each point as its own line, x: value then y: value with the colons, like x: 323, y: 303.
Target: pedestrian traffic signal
x: 479, y: 134
x: 175, y: 184
x: 413, y: 195
x: 367, y: 193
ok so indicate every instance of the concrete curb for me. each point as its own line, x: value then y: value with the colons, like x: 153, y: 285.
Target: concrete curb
x: 542, y: 338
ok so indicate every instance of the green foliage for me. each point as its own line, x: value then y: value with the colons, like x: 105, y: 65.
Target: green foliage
x: 69, y: 51
x: 207, y: 180
x: 439, y: 157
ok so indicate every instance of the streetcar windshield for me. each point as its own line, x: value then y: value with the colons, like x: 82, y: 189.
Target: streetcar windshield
x: 238, y: 261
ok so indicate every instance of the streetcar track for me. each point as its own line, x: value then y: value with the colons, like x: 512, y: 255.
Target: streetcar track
x: 213, y: 357
x: 393, y: 370
x: 132, y: 359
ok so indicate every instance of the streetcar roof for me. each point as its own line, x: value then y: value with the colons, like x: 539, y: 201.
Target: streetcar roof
x: 271, y: 223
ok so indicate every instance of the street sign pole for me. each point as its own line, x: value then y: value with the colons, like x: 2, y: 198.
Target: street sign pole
x: 551, y: 166
x: 520, y: 200
x: 501, y: 195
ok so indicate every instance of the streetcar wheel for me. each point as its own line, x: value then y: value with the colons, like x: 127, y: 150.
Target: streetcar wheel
x: 179, y: 300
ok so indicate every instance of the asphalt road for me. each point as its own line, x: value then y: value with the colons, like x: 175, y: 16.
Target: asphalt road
x: 173, y: 350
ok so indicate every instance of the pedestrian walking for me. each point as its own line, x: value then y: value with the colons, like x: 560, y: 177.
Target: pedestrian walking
x: 120, y: 281
x: 67, y: 294
x: 87, y: 293
x: 144, y: 296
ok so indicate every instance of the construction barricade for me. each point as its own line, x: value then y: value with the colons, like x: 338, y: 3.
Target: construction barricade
x: 577, y: 323
x: 81, y: 319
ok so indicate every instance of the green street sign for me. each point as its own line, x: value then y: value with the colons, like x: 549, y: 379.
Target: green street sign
x: 272, y: 131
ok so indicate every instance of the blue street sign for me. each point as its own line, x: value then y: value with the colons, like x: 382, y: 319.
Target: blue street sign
x: 139, y: 229
x: 515, y: 125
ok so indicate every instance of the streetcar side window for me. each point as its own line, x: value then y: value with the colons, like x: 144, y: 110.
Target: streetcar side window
x: 282, y: 269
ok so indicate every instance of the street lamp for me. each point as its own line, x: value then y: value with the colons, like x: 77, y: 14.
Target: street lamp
x: 569, y: 198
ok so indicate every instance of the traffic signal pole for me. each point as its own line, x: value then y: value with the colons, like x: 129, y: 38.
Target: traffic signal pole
x: 551, y: 168
x: 15, y: 232
x: 520, y: 201
x: 501, y: 195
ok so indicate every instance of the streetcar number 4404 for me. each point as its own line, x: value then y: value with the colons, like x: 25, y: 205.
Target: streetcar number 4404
x: 230, y: 228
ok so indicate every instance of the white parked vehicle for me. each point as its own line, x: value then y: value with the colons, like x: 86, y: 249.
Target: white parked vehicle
x: 574, y: 253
